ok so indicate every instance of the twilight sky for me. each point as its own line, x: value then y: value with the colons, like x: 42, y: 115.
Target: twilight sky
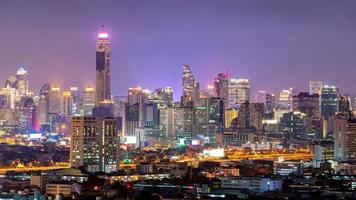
x: 275, y: 43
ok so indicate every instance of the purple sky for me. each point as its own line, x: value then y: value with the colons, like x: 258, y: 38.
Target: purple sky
x: 276, y: 43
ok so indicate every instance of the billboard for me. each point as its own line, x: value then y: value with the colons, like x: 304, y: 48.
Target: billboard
x: 219, y: 152
x: 130, y: 140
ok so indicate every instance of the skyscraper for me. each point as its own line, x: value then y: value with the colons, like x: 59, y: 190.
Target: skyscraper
x: 103, y: 49
x: 244, y: 119
x: 55, y: 100
x: 221, y: 83
x: 315, y: 87
x: 344, y: 139
x: 345, y: 106
x: 216, y: 113
x: 95, y: 137
x: 232, y: 93
x: 270, y: 102
x: 307, y: 104
x: 238, y: 92
x: 286, y: 99
x: 329, y: 101
x: 43, y: 104
x: 88, y: 101
x: 75, y: 99
x: 257, y: 112
x: 67, y: 103
x: 260, y: 96
x: 136, y: 95
x: 190, y: 87
x: 243, y: 91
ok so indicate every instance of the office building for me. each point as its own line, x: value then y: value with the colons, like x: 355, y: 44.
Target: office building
x: 257, y: 113
x: 285, y: 101
x: 308, y: 104
x: 43, y: 104
x: 221, y: 85
x: 329, y: 101
x: 270, y: 102
x: 315, y: 87
x: 88, y: 101
x: 74, y: 93
x: 67, y: 103
x: 230, y: 118
x: 261, y: 96
x: 344, y: 139
x: 103, y: 50
x: 55, y: 100
x: 243, y: 119
x: 94, y: 144
x: 345, y: 106
x: 239, y: 92
x: 190, y: 87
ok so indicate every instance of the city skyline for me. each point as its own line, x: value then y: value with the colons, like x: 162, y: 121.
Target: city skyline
x: 249, y: 40
x: 158, y: 99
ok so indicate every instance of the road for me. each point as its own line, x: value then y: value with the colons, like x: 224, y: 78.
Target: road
x: 37, y: 168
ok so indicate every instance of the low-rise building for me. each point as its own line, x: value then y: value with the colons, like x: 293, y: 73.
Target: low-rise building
x: 251, y: 184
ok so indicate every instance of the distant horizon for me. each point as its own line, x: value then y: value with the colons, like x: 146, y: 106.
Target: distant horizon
x: 274, y: 44
x: 252, y: 93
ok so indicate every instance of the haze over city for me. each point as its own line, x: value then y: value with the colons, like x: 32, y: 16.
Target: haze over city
x: 193, y: 100
x: 275, y: 44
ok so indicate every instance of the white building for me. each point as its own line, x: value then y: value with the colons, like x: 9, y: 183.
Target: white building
x: 254, y: 185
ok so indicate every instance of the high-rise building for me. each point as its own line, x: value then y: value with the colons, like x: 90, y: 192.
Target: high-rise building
x: 43, y: 104
x: 243, y: 119
x: 233, y: 91
x: 190, y: 87
x: 243, y: 91
x: 354, y: 103
x: 210, y: 90
x: 221, y: 85
x: 315, y: 87
x: 76, y: 100
x: 230, y: 116
x: 24, y: 114
x: 294, y: 123
x: 167, y: 96
x: 103, y: 50
x: 95, y: 144
x: 67, y: 103
x: 88, y: 101
x: 260, y: 96
x: 344, y: 139
x: 119, y: 105
x: 132, y: 119
x: 216, y: 113
x: 201, y: 110
x: 238, y: 92
x: 166, y: 121
x: 8, y: 97
x: 257, y: 113
x: 285, y: 101
x: 308, y: 104
x: 136, y: 95
x: 55, y: 100
x: 329, y: 101
x: 183, y: 121
x: 19, y: 83
x: 270, y: 102
x: 345, y: 106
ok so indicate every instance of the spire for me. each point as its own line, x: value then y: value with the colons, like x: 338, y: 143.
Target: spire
x: 103, y: 34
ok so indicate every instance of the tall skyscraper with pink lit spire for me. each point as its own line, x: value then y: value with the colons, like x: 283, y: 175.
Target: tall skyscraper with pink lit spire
x: 103, y: 49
